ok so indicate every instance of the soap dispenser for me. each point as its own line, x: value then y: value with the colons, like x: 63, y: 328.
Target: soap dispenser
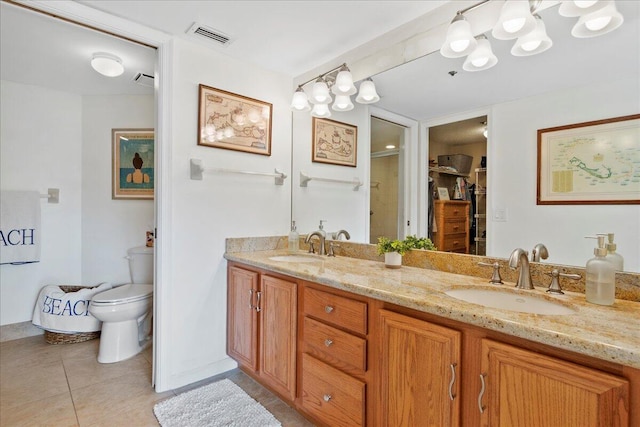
x: 294, y: 238
x: 612, y: 256
x: 321, y: 228
x: 600, y: 276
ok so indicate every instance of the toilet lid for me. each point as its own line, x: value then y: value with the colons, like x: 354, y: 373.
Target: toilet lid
x: 122, y: 294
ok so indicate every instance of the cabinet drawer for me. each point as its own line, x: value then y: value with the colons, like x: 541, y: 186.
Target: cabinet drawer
x: 455, y: 227
x: 451, y: 210
x: 330, y: 395
x: 454, y: 242
x: 334, y: 346
x: 336, y: 310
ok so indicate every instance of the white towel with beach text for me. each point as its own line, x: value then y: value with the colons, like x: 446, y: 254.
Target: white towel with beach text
x: 19, y: 227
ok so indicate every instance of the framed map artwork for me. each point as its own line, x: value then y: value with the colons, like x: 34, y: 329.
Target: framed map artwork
x: 133, y: 163
x: 334, y: 142
x: 234, y: 122
x: 590, y: 163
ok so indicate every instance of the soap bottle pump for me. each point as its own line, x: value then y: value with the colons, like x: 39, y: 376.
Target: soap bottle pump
x: 321, y: 228
x: 294, y: 238
x: 600, y: 276
x: 612, y: 256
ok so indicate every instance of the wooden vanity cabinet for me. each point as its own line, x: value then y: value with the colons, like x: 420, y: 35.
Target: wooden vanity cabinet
x: 262, y: 328
x: 529, y: 389
x: 453, y: 226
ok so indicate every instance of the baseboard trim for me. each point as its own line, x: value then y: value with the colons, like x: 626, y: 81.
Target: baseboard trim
x: 15, y: 331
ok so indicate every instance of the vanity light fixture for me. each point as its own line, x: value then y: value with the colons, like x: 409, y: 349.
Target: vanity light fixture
x: 107, y: 64
x: 518, y: 20
x: 338, y: 82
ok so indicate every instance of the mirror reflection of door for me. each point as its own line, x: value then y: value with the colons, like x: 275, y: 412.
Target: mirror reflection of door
x: 386, y: 195
x: 458, y: 162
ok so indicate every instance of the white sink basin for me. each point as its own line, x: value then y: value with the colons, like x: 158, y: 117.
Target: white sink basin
x: 506, y: 300
x: 295, y: 258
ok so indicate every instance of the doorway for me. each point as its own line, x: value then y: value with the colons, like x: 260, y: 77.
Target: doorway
x: 386, y: 195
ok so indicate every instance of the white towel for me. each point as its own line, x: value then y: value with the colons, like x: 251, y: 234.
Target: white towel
x: 19, y: 227
x: 59, y: 311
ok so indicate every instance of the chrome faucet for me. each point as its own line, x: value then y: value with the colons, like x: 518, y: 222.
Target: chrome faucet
x: 319, y: 235
x: 539, y: 251
x: 344, y: 233
x: 519, y: 257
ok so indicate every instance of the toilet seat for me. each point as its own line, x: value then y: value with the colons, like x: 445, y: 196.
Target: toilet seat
x: 123, y: 294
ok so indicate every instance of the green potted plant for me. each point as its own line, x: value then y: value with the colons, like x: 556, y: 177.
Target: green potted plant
x: 392, y: 251
x: 414, y: 242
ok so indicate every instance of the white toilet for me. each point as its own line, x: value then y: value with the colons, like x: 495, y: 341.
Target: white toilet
x: 126, y: 311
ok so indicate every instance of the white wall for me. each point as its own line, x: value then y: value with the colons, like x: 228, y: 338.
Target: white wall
x: 40, y: 148
x: 337, y: 203
x: 512, y: 166
x: 203, y: 213
x: 110, y: 227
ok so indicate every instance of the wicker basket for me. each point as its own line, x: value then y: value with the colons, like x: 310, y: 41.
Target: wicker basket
x: 69, y: 338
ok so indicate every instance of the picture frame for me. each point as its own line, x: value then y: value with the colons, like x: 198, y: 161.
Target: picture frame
x: 590, y: 163
x: 443, y: 193
x: 334, y: 142
x: 133, y: 161
x: 233, y: 122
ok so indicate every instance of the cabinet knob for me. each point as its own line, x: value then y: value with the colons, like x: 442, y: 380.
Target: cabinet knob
x: 328, y: 342
x: 326, y: 397
x: 328, y: 309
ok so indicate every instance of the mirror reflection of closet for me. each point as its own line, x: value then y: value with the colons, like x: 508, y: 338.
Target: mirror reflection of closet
x: 458, y: 163
x: 386, y: 196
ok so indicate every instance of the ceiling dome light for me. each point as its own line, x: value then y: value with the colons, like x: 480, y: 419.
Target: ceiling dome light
x: 459, y: 41
x: 367, y: 93
x: 300, y: 101
x: 575, y: 8
x: 344, y: 82
x: 321, y: 110
x: 597, y: 23
x: 107, y: 64
x: 515, y: 20
x: 320, y: 92
x: 482, y: 58
x: 537, y: 41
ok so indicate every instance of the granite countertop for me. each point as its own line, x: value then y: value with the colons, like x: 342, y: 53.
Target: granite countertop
x: 610, y: 333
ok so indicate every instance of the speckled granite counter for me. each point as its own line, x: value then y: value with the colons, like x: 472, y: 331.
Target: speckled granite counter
x: 610, y: 333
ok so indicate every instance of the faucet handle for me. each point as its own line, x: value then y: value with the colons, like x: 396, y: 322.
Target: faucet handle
x: 554, y: 286
x: 495, y: 277
x: 331, y: 246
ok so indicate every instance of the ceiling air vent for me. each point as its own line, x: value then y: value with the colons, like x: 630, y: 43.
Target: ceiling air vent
x: 210, y: 34
x: 143, y: 79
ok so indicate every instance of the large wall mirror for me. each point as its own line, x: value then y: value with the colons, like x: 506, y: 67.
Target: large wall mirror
x: 577, y: 80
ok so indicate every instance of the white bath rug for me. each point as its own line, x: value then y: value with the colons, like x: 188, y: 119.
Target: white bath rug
x: 215, y: 405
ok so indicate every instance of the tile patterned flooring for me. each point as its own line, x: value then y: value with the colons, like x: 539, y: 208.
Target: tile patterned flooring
x: 64, y: 385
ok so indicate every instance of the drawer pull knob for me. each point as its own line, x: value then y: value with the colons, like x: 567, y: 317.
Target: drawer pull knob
x: 328, y: 342
x: 326, y: 397
x: 328, y: 309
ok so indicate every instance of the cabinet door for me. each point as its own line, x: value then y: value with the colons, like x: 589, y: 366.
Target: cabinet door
x: 278, y: 308
x: 242, y: 321
x: 523, y: 388
x: 420, y: 362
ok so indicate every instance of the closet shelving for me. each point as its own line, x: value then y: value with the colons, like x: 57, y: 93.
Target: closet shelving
x: 480, y: 215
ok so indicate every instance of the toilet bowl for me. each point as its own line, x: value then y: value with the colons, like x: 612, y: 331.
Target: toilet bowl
x: 126, y: 310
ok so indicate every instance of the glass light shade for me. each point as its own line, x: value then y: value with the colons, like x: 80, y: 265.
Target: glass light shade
x: 320, y: 92
x: 107, y: 64
x: 300, y: 102
x: 342, y: 103
x: 515, y: 20
x: 459, y: 41
x: 571, y: 9
x: 597, y: 23
x: 321, y: 110
x: 537, y: 41
x: 344, y: 83
x: 482, y: 58
x: 228, y: 132
x: 367, y: 93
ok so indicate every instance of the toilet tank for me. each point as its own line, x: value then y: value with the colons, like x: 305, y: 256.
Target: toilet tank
x: 141, y: 264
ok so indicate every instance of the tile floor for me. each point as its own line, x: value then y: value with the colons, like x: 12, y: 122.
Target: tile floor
x: 64, y: 385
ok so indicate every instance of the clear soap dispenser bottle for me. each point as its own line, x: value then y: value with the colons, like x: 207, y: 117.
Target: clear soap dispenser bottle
x: 600, y: 280
x: 294, y: 238
x: 321, y: 228
x: 612, y: 256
